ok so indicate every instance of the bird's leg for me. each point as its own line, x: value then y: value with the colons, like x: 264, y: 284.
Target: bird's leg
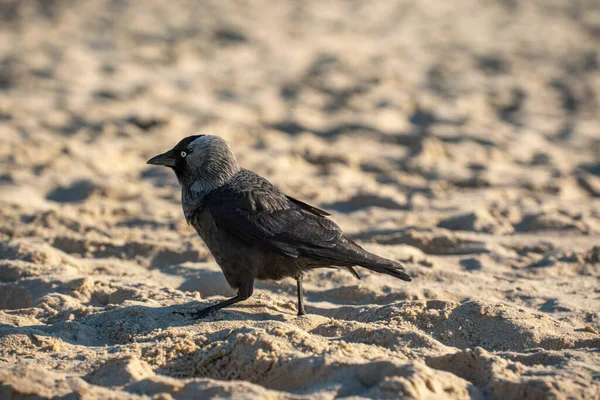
x: 244, y: 292
x: 301, y: 310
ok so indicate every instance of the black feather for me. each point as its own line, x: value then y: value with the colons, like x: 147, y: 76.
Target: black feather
x: 254, y: 211
x: 308, y: 207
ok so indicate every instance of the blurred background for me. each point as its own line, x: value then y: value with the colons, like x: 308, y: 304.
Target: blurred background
x: 472, y: 116
x: 481, y: 115
x: 409, y: 96
x: 462, y: 137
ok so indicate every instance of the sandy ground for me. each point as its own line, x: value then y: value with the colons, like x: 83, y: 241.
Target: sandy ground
x: 462, y: 137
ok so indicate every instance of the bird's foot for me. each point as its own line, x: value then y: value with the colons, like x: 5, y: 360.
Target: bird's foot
x: 301, y: 312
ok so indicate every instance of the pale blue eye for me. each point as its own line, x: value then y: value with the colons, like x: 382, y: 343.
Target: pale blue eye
x: 183, y: 154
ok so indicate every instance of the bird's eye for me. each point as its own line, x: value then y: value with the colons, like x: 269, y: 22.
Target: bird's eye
x: 183, y: 154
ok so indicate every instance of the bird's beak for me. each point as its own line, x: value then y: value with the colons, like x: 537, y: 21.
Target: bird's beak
x: 167, y: 159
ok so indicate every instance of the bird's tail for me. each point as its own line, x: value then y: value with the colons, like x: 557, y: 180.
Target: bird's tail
x: 388, y: 267
x: 379, y: 264
x: 348, y: 253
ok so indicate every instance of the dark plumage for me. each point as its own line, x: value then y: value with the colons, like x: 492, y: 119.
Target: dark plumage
x: 253, y: 230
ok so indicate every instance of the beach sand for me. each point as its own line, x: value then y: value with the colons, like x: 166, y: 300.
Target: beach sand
x: 461, y: 138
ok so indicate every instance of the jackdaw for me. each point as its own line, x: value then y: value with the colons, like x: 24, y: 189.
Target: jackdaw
x: 253, y: 230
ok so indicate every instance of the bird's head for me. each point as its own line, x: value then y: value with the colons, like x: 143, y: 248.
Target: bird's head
x: 201, y: 160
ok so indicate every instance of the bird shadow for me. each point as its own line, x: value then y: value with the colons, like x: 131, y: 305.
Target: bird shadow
x: 128, y: 324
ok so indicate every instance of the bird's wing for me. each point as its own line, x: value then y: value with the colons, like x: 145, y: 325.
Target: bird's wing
x: 254, y: 211
x: 308, y: 207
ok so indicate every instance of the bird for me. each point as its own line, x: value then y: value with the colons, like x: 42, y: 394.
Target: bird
x: 253, y: 230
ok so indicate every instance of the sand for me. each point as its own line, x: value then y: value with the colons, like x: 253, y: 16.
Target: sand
x: 462, y: 138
